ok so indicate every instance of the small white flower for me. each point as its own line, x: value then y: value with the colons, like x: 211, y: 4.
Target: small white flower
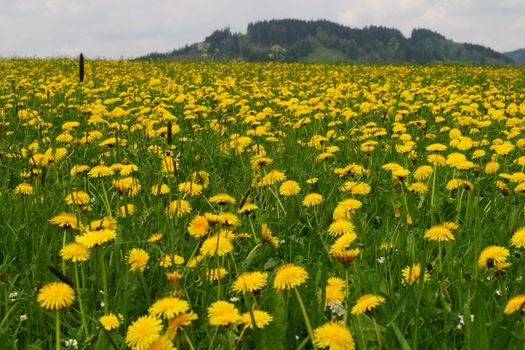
x: 234, y: 299
x: 71, y: 343
x: 498, y: 292
x: 13, y: 296
x: 381, y: 259
x: 22, y: 317
x: 102, y: 304
x: 337, y: 309
x: 283, y: 241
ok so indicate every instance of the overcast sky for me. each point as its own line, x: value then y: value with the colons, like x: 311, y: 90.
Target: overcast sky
x: 129, y: 28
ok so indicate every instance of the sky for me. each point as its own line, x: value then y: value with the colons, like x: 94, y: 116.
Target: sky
x: 130, y: 28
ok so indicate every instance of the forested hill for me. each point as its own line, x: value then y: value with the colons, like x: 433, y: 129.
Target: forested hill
x: 325, y: 41
x: 518, y: 56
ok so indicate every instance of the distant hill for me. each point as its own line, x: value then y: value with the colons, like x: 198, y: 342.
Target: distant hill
x: 324, y: 41
x: 518, y: 56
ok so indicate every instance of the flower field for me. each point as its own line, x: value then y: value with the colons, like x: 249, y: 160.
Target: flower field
x: 162, y: 205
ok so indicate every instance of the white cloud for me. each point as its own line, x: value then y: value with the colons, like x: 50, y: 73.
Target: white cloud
x: 115, y: 28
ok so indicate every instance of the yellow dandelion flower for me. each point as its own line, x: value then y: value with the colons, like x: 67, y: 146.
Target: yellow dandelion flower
x: 100, y: 171
x: 439, y: 233
x: 78, y: 198
x: 78, y: 169
x: 229, y: 219
x: 137, y: 259
x: 436, y: 147
x: 423, y: 172
x: 520, y: 189
x: 289, y: 188
x: 65, y: 220
x: 55, y: 296
x: 247, y: 207
x: 350, y: 205
x: 168, y: 307
x: 436, y: 159
x: 312, y: 181
x: 400, y: 173
x: 75, y: 252
x: 340, y: 227
x: 169, y: 165
x: 173, y: 277
x: 334, y: 336
x: 128, y: 185
x: 191, y: 188
x: 515, y: 304
x: 335, y: 290
x: 249, y: 282
x: 491, y: 167
x: 518, y: 238
x: 109, y: 321
x: 261, y: 318
x: 215, y: 274
x: 503, y: 149
x: 179, y: 207
x: 198, y: 226
x: 105, y: 223
x: 128, y: 169
x: 268, y: 237
x: 155, y: 237
x: 356, y: 188
x: 366, y: 303
x: 143, y: 332
x: 411, y: 275
x: 346, y: 256
x: 391, y: 166
x: 223, y: 313
x: 493, y: 255
x: 261, y: 162
x: 94, y: 238
x: 289, y: 276
x: 272, y: 177
x: 162, y: 343
x: 417, y: 187
x: 312, y: 199
x: 126, y: 210
x: 168, y: 260
x: 218, y: 244
x: 221, y: 199
x: 179, y: 322
x: 24, y: 188
x: 342, y: 243
x: 159, y: 189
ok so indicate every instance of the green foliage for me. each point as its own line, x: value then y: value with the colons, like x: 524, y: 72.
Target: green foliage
x: 329, y: 42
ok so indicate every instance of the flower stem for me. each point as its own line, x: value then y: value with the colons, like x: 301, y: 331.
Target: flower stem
x: 104, y: 280
x: 57, y: 329
x: 347, y: 294
x: 80, y: 302
x: 378, y: 333
x: 188, y: 340
x: 361, y: 333
x: 229, y: 336
x: 523, y: 320
x: 306, y: 319
x: 213, y: 338
x: 432, y: 197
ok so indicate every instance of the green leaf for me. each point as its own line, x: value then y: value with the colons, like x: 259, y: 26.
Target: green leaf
x: 274, y: 335
x: 402, y: 341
